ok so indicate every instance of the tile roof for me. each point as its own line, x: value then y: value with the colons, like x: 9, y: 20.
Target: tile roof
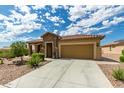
x: 35, y: 41
x: 82, y: 36
x: 69, y: 37
x: 115, y: 43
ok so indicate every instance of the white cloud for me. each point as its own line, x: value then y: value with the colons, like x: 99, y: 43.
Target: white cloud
x: 56, y: 24
x: 70, y: 26
x: 55, y: 31
x: 47, y: 14
x: 105, y: 23
x: 36, y: 7
x: 18, y: 24
x: 71, y: 31
x: 76, y: 12
x: 115, y: 21
x: 63, y: 21
x: 99, y: 16
x: 108, y: 32
x: 66, y: 7
x: 25, y: 38
x: 105, y: 33
x: 54, y: 7
x: 23, y: 8
x: 42, y: 20
x: 3, y: 17
x: 53, y: 18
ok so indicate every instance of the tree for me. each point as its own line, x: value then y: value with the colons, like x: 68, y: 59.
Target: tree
x: 19, y: 49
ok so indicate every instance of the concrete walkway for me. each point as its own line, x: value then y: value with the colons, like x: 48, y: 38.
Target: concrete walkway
x: 64, y: 74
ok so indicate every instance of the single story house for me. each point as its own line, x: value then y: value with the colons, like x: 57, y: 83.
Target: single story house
x: 72, y: 46
x: 115, y: 47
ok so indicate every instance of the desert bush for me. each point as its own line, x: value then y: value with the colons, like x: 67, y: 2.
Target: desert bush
x: 123, y: 52
x: 34, y: 61
x: 40, y: 55
x: 122, y: 58
x: 118, y: 74
x: 26, y: 51
x: 36, y: 58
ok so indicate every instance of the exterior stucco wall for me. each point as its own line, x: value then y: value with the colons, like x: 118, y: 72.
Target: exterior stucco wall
x: 114, y: 50
x: 99, y: 53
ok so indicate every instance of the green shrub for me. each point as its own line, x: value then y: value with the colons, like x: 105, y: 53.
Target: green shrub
x: 36, y: 58
x: 122, y: 58
x: 40, y: 55
x: 26, y: 51
x: 34, y: 61
x: 118, y: 74
x: 123, y: 52
x: 6, y: 53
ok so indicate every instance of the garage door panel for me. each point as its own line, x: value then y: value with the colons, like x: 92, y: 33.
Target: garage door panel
x: 77, y: 51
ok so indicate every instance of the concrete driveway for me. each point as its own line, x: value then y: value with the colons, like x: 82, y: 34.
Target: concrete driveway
x: 64, y: 74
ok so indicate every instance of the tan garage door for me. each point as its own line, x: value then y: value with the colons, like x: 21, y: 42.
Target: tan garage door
x: 77, y: 51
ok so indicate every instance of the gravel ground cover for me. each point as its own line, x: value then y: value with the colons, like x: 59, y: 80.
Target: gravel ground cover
x: 107, y: 69
x: 9, y: 71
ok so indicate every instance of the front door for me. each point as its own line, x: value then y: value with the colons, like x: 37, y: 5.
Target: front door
x: 49, y: 50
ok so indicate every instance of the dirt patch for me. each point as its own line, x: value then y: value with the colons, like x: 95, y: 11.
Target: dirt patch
x: 12, y: 72
x: 107, y: 69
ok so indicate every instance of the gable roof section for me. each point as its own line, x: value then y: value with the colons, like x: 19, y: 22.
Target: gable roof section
x: 49, y: 33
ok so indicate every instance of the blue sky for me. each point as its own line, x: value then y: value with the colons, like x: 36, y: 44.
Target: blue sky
x: 24, y: 23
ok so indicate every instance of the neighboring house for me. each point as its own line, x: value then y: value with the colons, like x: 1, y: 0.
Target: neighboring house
x: 72, y: 46
x: 115, y: 47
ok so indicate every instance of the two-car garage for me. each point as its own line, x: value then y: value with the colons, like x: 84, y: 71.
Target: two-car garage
x: 79, y: 51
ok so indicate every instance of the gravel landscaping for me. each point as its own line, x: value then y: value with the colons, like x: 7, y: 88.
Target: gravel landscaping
x: 9, y: 72
x: 107, y: 69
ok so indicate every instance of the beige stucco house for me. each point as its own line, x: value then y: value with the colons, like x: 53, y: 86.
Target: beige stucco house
x: 72, y: 46
x: 115, y: 47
